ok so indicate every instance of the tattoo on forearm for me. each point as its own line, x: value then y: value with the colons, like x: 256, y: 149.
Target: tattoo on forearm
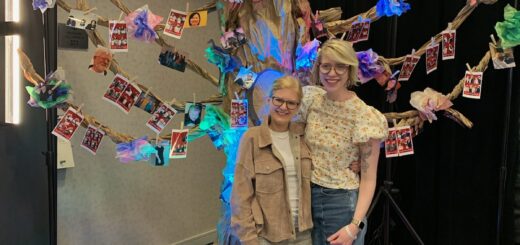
x: 365, y: 151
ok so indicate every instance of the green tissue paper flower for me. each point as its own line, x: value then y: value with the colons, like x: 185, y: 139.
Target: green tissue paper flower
x: 509, y: 30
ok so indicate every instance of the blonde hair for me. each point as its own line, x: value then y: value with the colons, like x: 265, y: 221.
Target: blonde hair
x: 287, y: 82
x: 342, y: 52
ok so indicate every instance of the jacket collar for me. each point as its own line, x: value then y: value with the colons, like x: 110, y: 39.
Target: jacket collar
x: 265, y: 135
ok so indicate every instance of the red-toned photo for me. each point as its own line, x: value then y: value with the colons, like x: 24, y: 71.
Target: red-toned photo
x: 161, y: 117
x: 179, y: 143
x: 128, y: 97
x: 238, y: 113
x: 118, y: 36
x: 115, y: 88
x: 405, y: 143
x: 472, y: 85
x: 408, y: 67
x: 448, y: 44
x: 355, y: 32
x: 432, y: 56
x: 391, y: 144
x: 175, y: 24
x: 68, y: 124
x: 92, y: 139
x: 365, y: 31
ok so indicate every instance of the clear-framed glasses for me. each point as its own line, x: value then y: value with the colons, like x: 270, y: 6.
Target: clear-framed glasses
x: 340, y: 69
x: 291, y: 104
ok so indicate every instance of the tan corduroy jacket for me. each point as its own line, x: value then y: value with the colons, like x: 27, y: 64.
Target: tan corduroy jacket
x: 259, y: 201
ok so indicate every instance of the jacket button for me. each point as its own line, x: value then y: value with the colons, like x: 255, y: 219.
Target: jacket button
x: 297, y: 158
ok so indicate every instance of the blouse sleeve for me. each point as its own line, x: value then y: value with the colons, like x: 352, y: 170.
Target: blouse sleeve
x: 309, y: 94
x: 371, y: 124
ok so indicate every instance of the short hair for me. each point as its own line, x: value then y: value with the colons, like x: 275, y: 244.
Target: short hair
x: 342, y: 52
x: 287, y: 82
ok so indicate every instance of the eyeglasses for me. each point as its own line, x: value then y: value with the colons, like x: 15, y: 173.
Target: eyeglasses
x: 291, y: 104
x: 340, y: 69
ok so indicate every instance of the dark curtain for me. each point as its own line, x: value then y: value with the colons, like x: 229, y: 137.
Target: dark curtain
x: 449, y: 188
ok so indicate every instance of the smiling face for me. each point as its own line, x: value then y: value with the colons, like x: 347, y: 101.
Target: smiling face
x: 333, y: 80
x: 283, y: 105
x: 194, y: 19
x: 101, y: 62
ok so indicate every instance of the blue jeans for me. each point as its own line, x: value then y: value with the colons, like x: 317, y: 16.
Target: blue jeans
x: 332, y: 209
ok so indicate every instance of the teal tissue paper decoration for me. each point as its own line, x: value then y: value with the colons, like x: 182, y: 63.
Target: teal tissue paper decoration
x: 509, y: 30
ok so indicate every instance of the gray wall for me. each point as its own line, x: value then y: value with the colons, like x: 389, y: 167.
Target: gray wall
x: 102, y: 201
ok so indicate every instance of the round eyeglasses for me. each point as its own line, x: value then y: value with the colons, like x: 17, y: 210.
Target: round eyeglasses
x: 290, y: 104
x: 340, y: 69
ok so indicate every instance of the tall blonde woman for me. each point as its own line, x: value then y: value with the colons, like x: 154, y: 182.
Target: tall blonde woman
x: 271, y: 202
x: 340, y: 129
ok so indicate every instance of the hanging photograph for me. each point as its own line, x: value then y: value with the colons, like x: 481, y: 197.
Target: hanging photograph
x: 432, y: 57
x: 503, y: 58
x: 472, y: 85
x: 391, y: 149
x: 118, y: 36
x: 68, y: 124
x: 161, y: 117
x: 448, y: 44
x: 365, y: 31
x: 405, y: 143
x: 78, y: 19
x: 173, y: 59
x: 239, y: 113
x: 245, y: 77
x: 175, y: 24
x: 147, y: 102
x: 233, y: 39
x: 161, y: 158
x: 128, y: 97
x: 196, y: 19
x: 92, y: 139
x: 101, y: 60
x: 179, y: 143
x: 192, y: 114
x: 355, y: 32
x: 121, y: 93
x: 408, y: 66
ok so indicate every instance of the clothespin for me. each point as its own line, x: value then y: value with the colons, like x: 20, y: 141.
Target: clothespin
x: 432, y: 42
x: 56, y: 85
x: 343, y: 35
x: 187, y: 7
x: 80, y: 107
x: 194, y: 101
x: 394, y: 121
x: 172, y: 101
x: 493, y: 40
x: 182, y: 125
x: 469, y: 67
x: 413, y: 52
x: 157, y: 139
x: 147, y: 91
x: 450, y: 26
x: 236, y: 96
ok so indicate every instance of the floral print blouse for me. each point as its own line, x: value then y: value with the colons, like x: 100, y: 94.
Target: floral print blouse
x: 334, y: 130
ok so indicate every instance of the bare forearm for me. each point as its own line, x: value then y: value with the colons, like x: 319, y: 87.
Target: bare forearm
x: 369, y: 159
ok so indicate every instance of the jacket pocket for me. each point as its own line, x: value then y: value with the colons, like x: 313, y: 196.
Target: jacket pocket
x: 269, y: 176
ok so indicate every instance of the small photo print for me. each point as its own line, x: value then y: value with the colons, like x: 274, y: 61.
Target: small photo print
x: 116, y: 88
x: 147, y: 102
x: 173, y: 59
x: 239, y: 113
x: 391, y: 149
x: 175, y: 24
x: 118, y: 36
x: 365, y: 31
x: 246, y: 77
x: 448, y: 44
x: 233, y: 39
x: 408, y: 66
x: 78, y: 19
x: 432, y: 57
x: 161, y: 158
x: 192, y: 114
x: 405, y: 143
x: 161, y: 117
x: 196, y: 19
x: 318, y: 30
x: 472, y: 85
x: 355, y: 32
x: 68, y: 124
x: 128, y: 97
x: 101, y: 60
x: 92, y: 139
x: 179, y: 143
x: 502, y: 58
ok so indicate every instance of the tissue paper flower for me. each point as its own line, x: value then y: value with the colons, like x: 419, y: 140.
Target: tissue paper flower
x: 43, y: 4
x: 509, y: 30
x: 368, y: 66
x: 306, y: 55
x: 141, y: 24
x: 51, y: 93
x: 428, y: 102
x: 391, y: 7
x: 136, y: 150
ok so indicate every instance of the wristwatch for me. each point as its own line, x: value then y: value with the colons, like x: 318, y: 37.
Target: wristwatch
x: 360, y: 224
